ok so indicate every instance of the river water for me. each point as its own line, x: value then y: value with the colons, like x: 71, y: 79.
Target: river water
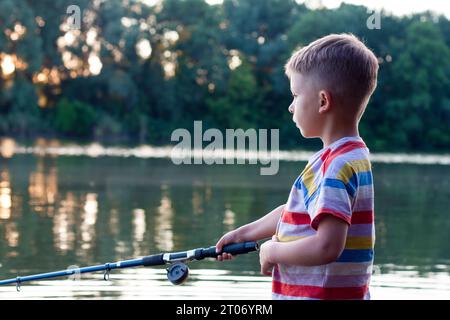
x: 63, y: 207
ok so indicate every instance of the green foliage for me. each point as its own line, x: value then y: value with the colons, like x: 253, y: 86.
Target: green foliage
x: 235, y: 108
x: 135, y: 98
x: 74, y: 118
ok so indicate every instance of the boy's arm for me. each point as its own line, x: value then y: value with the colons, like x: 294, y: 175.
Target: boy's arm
x: 322, y: 248
x: 262, y: 228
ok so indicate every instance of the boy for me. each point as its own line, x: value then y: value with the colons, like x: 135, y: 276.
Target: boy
x: 323, y: 237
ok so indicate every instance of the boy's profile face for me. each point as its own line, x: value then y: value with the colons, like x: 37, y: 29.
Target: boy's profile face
x: 305, y: 105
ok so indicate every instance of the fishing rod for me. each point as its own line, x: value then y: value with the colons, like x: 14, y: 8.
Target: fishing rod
x: 177, y: 272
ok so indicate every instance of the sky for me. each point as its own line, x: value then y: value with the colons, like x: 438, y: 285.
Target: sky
x: 397, y: 7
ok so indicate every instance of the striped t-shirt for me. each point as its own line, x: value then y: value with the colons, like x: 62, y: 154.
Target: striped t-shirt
x: 337, y: 180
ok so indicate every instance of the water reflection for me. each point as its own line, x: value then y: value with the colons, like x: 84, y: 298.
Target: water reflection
x: 139, y: 227
x: 197, y: 201
x: 12, y: 236
x: 229, y: 219
x: 63, y: 224
x: 61, y: 211
x: 163, y: 222
x: 43, y: 186
x: 114, y: 222
x: 139, y: 224
x: 7, y: 147
x: 11, y: 232
x: 88, y: 220
x: 215, y: 284
x: 5, y: 195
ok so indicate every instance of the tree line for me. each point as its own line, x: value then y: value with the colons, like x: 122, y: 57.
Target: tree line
x: 135, y: 72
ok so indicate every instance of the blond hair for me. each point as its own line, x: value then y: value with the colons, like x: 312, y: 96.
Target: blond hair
x: 343, y: 65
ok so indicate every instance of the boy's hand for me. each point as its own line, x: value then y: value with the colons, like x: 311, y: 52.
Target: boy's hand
x: 264, y: 256
x: 230, y: 237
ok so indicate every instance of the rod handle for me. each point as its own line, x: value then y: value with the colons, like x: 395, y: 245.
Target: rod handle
x: 233, y: 249
x: 153, y: 260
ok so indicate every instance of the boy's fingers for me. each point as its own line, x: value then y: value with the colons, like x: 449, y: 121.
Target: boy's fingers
x: 224, y: 256
x: 266, y: 272
x: 220, y: 257
x: 218, y: 247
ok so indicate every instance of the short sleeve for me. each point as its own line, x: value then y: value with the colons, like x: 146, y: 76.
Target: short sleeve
x: 335, y: 193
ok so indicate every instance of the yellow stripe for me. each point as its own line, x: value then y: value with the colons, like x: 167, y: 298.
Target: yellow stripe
x: 352, y: 167
x: 308, y: 179
x: 282, y: 238
x: 306, y: 168
x: 351, y: 243
x: 359, y: 243
x: 344, y: 174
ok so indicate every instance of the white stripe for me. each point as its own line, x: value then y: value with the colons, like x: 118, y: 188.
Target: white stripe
x: 334, y: 269
x: 365, y: 192
x: 295, y: 201
x: 276, y: 296
x: 287, y: 229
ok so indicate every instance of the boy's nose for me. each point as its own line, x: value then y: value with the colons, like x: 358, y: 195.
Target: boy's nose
x: 291, y: 109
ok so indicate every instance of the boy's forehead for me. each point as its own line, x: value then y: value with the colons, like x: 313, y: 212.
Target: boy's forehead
x: 296, y: 81
x: 301, y: 82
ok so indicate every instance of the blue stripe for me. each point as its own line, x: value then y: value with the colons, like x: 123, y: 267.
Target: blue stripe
x: 336, y: 183
x: 357, y: 179
x: 304, y: 189
x: 365, y: 178
x: 301, y: 186
x: 298, y: 182
x: 308, y: 199
x: 353, y: 255
x: 352, y: 185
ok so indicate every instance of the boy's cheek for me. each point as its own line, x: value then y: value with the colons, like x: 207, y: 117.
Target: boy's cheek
x: 299, y: 120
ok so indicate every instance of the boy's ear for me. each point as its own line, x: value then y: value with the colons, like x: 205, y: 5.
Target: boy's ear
x: 324, y: 101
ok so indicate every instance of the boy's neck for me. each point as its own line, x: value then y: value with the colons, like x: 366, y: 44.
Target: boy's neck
x: 334, y: 135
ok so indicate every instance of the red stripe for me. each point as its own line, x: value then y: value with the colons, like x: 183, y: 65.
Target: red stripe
x: 318, y: 292
x: 324, y: 156
x: 297, y: 218
x: 362, y: 217
x: 346, y: 147
x: 324, y: 212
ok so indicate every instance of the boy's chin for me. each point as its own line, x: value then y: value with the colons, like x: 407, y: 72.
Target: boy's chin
x: 306, y: 134
x: 303, y: 133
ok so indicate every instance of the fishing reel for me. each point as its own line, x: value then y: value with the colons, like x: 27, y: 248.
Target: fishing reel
x: 177, y: 273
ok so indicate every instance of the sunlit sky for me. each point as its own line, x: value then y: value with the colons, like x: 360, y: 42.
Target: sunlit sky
x: 397, y: 7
